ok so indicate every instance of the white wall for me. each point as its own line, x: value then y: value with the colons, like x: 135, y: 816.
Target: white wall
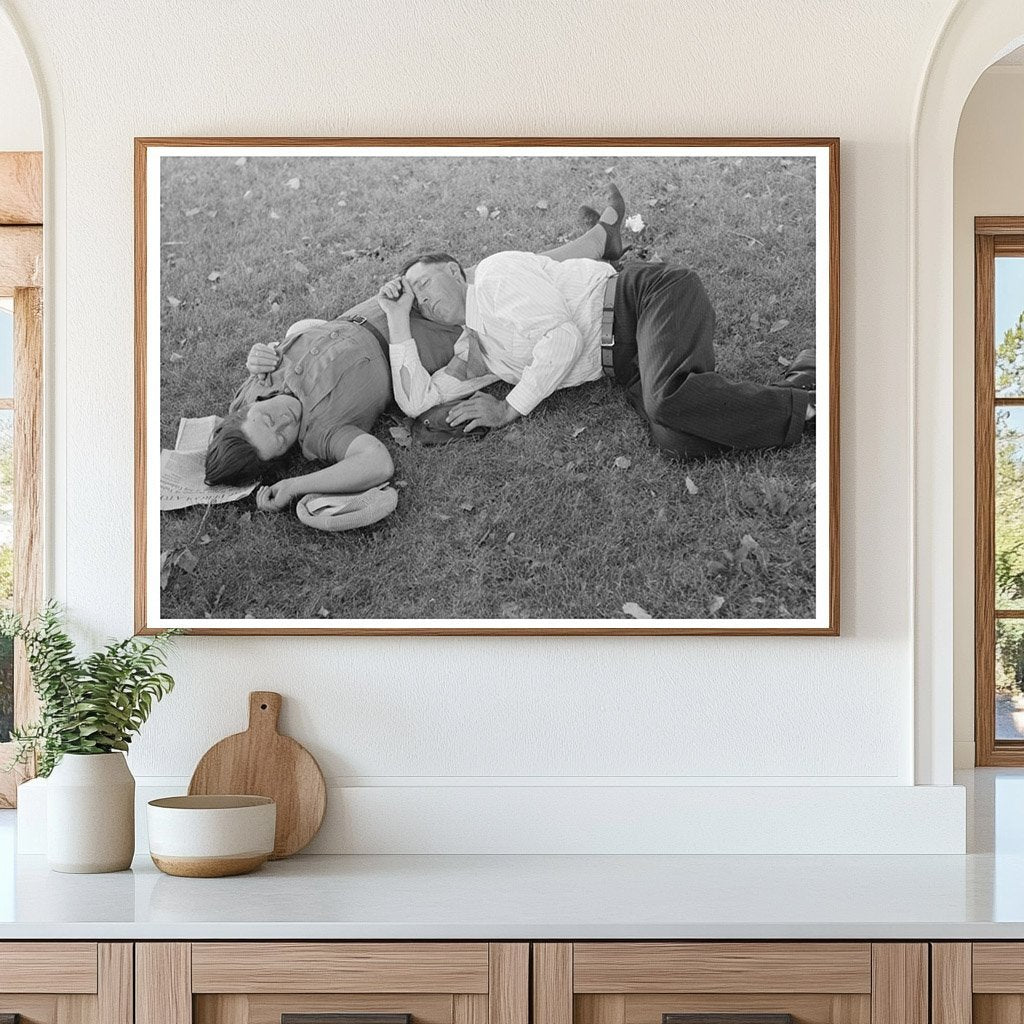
x: 987, y: 182
x: 455, y: 712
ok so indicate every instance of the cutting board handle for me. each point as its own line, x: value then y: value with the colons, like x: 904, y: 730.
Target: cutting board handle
x: 264, y: 710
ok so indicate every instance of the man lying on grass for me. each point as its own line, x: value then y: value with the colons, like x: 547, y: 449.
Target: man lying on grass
x: 542, y: 325
x: 326, y: 383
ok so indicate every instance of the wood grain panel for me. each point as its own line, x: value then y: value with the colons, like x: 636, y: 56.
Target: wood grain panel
x: 469, y: 1009
x: 899, y: 991
x: 552, y: 983
x: 998, y: 1009
x: 267, y: 1009
x: 65, y: 967
x: 229, y: 1009
x: 508, y: 991
x: 339, y: 967
x: 594, y: 1009
x: 21, y: 188
x: 163, y: 983
x: 951, y: 983
x: 805, y: 1008
x: 33, y: 1009
x: 115, y: 985
x: 76, y: 1009
x: 998, y: 967
x: 21, y: 259
x: 635, y: 967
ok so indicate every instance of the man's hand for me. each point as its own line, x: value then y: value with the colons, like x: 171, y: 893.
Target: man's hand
x: 482, y: 410
x: 396, y: 297
x: 263, y: 359
x: 275, y: 497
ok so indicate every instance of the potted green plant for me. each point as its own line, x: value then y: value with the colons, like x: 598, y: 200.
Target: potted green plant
x: 89, y: 710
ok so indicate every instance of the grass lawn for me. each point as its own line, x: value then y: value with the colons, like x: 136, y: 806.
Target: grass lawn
x: 535, y: 521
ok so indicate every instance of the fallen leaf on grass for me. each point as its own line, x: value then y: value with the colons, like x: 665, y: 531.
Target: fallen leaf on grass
x: 635, y: 611
x: 193, y: 211
x: 214, y: 276
x: 247, y: 194
x: 186, y: 560
x: 172, y: 301
x: 482, y: 211
x: 467, y: 506
x: 324, y: 613
x: 691, y: 487
x: 274, y: 215
x: 240, y: 162
x: 716, y: 604
x: 299, y: 267
x: 783, y: 361
x: 622, y: 462
x: 779, y: 325
x: 176, y: 357
x: 635, y: 223
x: 495, y: 214
x: 342, y: 202
x: 609, y: 170
x: 293, y: 183
x: 402, y: 436
x: 578, y: 431
x: 652, y: 202
x: 205, y: 539
x: 542, y: 204
x: 715, y: 567
x: 511, y: 537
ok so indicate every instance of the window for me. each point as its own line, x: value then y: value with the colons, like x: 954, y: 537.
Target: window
x: 999, y: 490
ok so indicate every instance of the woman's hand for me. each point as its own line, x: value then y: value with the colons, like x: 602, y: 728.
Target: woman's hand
x: 275, y: 497
x: 396, y: 297
x: 263, y: 359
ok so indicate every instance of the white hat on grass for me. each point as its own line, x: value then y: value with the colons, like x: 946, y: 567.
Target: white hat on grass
x: 335, y: 512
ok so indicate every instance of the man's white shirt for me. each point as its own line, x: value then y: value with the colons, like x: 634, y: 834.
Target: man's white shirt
x: 530, y: 321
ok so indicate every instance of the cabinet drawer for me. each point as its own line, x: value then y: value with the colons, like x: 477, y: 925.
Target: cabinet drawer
x: 332, y: 983
x: 730, y: 983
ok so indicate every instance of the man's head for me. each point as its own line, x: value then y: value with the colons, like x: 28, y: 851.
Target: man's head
x: 244, y: 446
x: 439, y: 284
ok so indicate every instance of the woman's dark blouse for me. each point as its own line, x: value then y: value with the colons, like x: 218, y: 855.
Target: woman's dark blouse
x: 342, y: 378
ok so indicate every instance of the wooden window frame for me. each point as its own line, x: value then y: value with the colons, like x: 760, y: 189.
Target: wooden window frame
x: 21, y: 278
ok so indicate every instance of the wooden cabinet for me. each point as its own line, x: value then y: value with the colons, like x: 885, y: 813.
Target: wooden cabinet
x: 66, y: 982
x: 263, y: 982
x: 978, y: 983
x: 653, y: 982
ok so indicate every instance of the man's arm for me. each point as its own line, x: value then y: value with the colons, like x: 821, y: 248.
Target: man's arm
x: 363, y: 463
x: 416, y: 391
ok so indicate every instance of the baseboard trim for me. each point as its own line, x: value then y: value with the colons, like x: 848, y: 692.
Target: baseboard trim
x: 682, y: 819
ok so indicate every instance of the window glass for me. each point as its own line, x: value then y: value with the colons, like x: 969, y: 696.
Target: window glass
x: 1009, y: 327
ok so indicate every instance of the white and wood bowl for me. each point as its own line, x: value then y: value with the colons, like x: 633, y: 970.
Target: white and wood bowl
x: 211, y: 836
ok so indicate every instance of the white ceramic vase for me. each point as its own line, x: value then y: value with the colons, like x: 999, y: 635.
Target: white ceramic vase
x: 90, y: 814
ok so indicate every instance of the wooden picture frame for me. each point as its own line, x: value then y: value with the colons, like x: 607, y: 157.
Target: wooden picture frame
x: 620, y: 614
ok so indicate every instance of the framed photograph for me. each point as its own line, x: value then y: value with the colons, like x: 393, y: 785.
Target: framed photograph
x: 497, y: 386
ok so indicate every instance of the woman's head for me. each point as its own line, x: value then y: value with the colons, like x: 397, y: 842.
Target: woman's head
x: 246, y: 444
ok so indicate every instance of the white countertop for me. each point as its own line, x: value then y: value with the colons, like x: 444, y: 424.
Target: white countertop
x: 976, y: 896
x: 517, y: 897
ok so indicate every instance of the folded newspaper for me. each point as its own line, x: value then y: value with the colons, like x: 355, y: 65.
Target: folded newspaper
x: 183, y: 469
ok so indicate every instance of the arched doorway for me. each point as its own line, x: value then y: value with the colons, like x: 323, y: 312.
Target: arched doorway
x: 976, y: 34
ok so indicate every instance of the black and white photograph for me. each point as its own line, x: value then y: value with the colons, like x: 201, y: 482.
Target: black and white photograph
x: 457, y: 386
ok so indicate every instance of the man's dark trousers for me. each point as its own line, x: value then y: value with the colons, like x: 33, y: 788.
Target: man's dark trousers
x: 664, y: 355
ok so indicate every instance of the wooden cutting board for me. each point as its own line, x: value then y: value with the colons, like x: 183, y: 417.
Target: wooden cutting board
x: 262, y: 762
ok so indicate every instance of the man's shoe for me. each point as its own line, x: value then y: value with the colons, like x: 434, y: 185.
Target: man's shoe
x: 587, y: 216
x: 801, y: 372
x: 613, y: 231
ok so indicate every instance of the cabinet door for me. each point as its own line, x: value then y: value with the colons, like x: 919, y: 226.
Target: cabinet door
x: 66, y: 982
x: 980, y: 982
x: 332, y: 983
x: 730, y: 983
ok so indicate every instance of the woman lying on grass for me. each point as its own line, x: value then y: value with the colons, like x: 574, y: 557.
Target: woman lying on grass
x: 326, y: 383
